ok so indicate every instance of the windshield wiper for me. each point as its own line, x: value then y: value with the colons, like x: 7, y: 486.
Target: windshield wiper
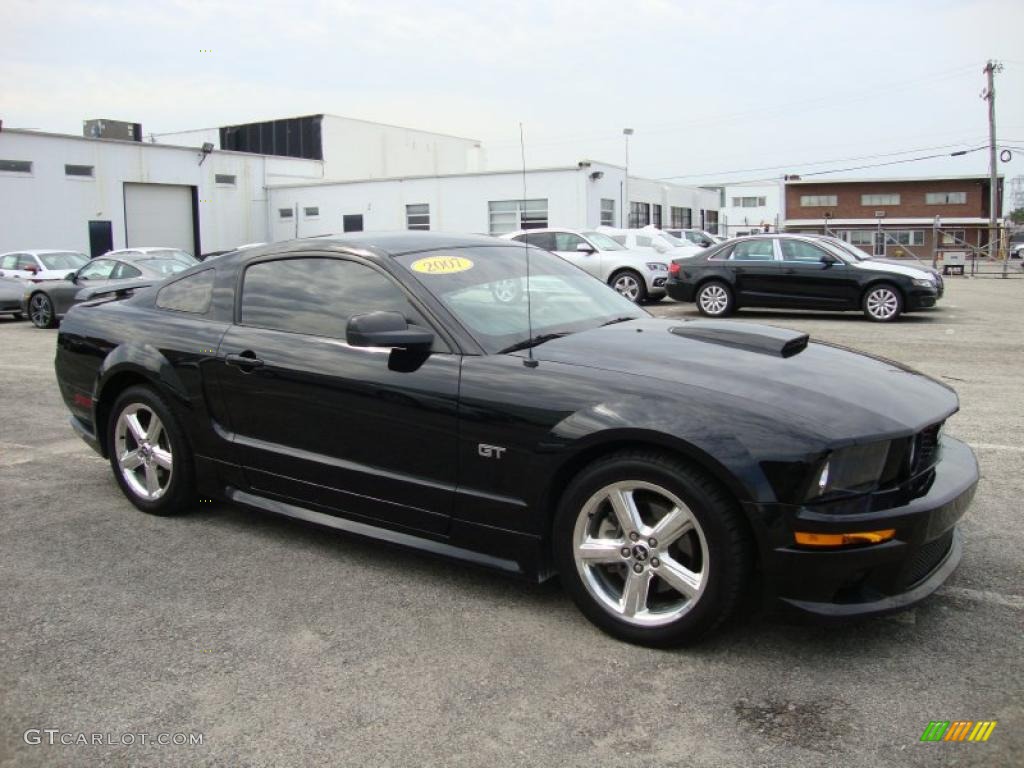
x: 619, y: 320
x: 532, y: 342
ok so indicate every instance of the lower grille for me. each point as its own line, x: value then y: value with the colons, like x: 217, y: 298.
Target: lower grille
x: 927, y: 558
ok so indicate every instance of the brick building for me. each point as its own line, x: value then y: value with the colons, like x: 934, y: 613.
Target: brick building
x: 895, y: 217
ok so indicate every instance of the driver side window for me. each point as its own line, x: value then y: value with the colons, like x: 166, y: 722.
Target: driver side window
x: 796, y: 250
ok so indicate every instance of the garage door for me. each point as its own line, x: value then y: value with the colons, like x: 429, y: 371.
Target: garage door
x: 159, y: 215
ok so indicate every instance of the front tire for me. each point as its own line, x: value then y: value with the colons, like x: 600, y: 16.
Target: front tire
x: 40, y: 311
x: 715, y: 299
x: 149, y: 454
x: 883, y: 303
x: 650, y: 549
x: 629, y: 284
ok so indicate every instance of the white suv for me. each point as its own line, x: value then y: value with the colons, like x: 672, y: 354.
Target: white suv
x: 649, y: 237
x: 40, y: 265
x: 637, y: 274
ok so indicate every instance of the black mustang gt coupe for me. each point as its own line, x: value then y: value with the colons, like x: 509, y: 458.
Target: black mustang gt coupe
x: 801, y: 272
x: 663, y: 468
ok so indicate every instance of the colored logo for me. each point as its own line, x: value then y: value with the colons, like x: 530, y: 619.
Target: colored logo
x: 441, y: 265
x: 958, y: 730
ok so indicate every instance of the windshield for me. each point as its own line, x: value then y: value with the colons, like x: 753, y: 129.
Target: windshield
x: 174, y: 254
x: 602, y: 242
x: 674, y: 242
x: 164, y: 266
x: 63, y: 260
x: 848, y: 249
x: 485, y: 289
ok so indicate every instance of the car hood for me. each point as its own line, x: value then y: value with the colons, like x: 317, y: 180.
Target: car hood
x: 893, y: 268
x: 639, y: 256
x: 836, y: 393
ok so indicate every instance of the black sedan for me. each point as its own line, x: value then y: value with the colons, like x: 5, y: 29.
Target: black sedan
x: 47, y: 301
x: 664, y: 469
x: 800, y: 272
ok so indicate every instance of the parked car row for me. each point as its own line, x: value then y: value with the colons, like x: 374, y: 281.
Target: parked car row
x: 44, y: 284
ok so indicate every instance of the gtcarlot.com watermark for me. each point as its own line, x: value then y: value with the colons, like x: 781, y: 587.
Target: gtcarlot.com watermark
x: 54, y: 736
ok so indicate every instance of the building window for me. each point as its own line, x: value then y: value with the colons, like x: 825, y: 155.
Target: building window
x: 711, y: 222
x: 752, y: 202
x: 956, y: 237
x: 285, y: 213
x: 889, y: 199
x: 945, y: 198
x: 510, y: 215
x: 352, y: 222
x: 859, y: 236
x: 819, y: 201
x: 417, y: 216
x: 682, y: 218
x: 16, y: 166
x: 78, y: 170
x: 904, y: 237
x: 656, y: 210
x: 224, y: 178
x: 311, y: 212
x: 607, y: 212
x: 639, y: 215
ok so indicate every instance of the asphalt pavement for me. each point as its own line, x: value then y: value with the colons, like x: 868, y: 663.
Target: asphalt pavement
x: 279, y: 644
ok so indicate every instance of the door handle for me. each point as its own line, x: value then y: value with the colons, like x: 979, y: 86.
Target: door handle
x: 246, y: 361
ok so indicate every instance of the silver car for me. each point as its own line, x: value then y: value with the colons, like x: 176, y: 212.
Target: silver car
x: 639, y: 275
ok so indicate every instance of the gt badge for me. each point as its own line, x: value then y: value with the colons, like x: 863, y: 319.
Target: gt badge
x: 490, y: 451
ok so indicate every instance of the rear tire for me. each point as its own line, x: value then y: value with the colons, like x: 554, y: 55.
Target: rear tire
x: 715, y: 299
x: 629, y: 284
x: 883, y: 303
x: 667, y: 568
x: 40, y: 311
x: 149, y: 453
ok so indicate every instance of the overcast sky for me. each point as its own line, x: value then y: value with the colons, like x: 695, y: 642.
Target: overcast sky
x: 709, y: 87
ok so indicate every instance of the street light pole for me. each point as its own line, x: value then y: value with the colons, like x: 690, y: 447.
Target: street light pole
x: 989, y: 94
x: 627, y: 132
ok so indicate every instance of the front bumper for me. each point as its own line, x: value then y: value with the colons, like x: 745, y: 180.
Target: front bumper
x: 872, y: 579
x: 922, y: 298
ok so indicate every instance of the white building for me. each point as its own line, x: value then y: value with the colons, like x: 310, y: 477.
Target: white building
x: 297, y: 177
x: 748, y: 207
x: 91, y: 195
x: 586, y: 195
x: 350, y: 149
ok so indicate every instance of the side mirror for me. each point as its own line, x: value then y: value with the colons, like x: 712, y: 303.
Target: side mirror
x: 385, y: 329
x: 71, y: 277
x: 32, y: 269
x: 584, y: 248
x: 828, y: 259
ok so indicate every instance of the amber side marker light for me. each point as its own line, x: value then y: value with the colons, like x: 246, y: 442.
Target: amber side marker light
x: 843, y: 539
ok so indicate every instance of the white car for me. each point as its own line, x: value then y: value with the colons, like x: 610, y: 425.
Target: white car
x: 649, y: 237
x: 699, y: 237
x: 40, y: 265
x: 638, y: 275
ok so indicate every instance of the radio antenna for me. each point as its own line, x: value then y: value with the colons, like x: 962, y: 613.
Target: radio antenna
x: 529, y: 362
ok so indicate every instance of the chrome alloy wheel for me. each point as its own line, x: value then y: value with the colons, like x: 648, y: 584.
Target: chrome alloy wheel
x: 143, y: 452
x: 882, y: 303
x: 40, y: 310
x: 640, y: 553
x: 714, y: 299
x: 628, y: 286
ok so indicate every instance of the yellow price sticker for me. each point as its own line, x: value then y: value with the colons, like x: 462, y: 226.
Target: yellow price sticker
x: 441, y: 265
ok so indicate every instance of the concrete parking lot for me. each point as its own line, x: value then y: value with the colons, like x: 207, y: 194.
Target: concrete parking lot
x: 283, y: 644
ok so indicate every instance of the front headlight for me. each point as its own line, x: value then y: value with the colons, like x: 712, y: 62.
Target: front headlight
x: 924, y: 282
x: 657, y: 266
x: 856, y: 469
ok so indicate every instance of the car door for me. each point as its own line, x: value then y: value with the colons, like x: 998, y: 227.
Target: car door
x: 566, y: 245
x: 813, y: 277
x: 756, y: 270
x: 359, y: 432
x: 96, y: 274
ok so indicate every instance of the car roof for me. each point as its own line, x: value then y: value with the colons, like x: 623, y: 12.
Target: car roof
x: 41, y: 251
x: 143, y: 249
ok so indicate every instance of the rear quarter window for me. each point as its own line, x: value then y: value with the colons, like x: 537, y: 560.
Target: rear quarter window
x: 191, y: 294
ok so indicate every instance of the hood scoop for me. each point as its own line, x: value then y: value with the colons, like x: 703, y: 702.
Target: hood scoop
x: 777, y: 342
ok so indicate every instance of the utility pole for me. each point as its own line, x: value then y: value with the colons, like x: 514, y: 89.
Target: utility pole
x: 989, y: 94
x: 627, y: 132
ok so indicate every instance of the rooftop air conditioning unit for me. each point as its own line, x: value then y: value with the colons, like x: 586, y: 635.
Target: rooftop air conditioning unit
x: 112, y: 129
